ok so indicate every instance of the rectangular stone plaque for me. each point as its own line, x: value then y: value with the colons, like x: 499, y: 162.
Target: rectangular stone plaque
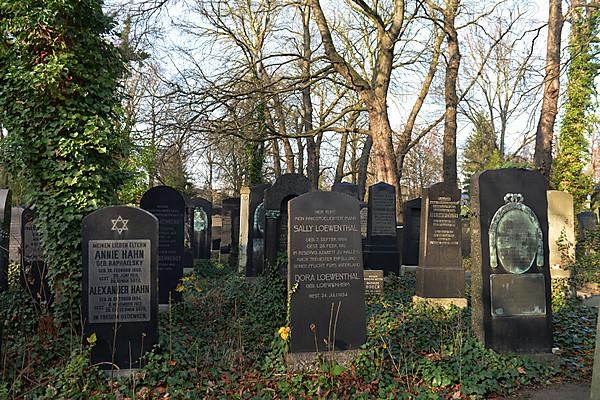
x: 383, y: 208
x: 373, y: 282
x: 119, y: 280
x: 517, y: 295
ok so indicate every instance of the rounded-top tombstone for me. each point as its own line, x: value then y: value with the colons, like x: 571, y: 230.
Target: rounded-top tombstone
x: 168, y: 205
x: 120, y: 284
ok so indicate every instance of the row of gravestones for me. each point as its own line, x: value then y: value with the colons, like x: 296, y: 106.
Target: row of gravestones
x: 127, y: 263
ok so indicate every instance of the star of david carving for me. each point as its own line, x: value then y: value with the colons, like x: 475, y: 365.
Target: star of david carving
x: 119, y: 224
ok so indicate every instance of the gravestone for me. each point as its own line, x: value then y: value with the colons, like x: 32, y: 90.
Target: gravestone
x: 15, y: 235
x: 440, y: 274
x: 230, y: 233
x: 325, y: 274
x: 216, y: 233
x: 561, y: 232
x: 595, y: 389
x: 285, y: 188
x: 364, y: 220
x: 465, y: 225
x: 168, y: 205
x: 244, y: 228
x: 411, y: 210
x: 510, y: 284
x: 351, y: 189
x: 381, y: 246
x: 5, y: 211
x: 373, y: 282
x: 120, y: 285
x: 33, y: 276
x: 256, y: 230
x: 587, y: 221
x: 201, y: 243
x: 188, y: 232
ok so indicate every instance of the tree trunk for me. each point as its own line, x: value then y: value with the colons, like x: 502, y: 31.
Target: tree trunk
x: 312, y: 156
x: 543, y: 137
x: 276, y: 157
x: 339, y: 169
x: 363, y: 166
x: 289, y: 155
x: 450, y: 127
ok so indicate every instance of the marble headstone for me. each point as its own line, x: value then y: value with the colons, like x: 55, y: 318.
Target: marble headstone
x: 325, y: 274
x: 120, y: 284
x: 510, y: 284
x: 168, y: 205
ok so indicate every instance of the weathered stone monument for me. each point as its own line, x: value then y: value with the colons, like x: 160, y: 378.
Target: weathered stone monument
x: 5, y: 209
x: 230, y: 233
x: 120, y: 285
x: 244, y: 228
x: 15, y: 235
x: 168, y: 205
x: 511, y: 306
x: 33, y: 276
x: 285, y: 188
x: 325, y: 274
x: 201, y: 242
x: 216, y: 233
x: 381, y: 246
x: 561, y: 232
x: 440, y: 274
x: 351, y: 189
x: 587, y: 221
x: 255, y: 229
x: 411, y: 211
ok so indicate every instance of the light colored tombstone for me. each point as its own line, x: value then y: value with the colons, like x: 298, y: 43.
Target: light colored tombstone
x: 244, y: 218
x: 561, y: 219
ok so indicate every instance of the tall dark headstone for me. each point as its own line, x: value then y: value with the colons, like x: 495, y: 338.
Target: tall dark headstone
x: 351, y: 189
x: 230, y: 237
x: 168, y: 205
x: 411, y: 210
x: 466, y: 237
x: 34, y: 273
x: 325, y: 274
x: 440, y: 273
x: 587, y: 221
x: 256, y: 230
x: 511, y: 307
x: 201, y: 242
x: 5, y: 212
x: 381, y: 247
x: 120, y: 284
x: 285, y: 188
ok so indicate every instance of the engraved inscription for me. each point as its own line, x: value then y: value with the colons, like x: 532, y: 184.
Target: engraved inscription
x: 119, y: 281
x: 383, y: 210
x: 443, y: 214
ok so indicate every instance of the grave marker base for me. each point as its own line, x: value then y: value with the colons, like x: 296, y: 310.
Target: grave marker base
x: 445, y: 302
x: 312, y: 361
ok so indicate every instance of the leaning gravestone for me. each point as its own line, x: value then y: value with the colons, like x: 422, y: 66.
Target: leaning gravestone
x: 325, y: 274
x: 285, y: 188
x: 440, y: 274
x: 120, y: 279
x: 5, y: 211
x: 168, y: 205
x: 201, y: 242
x: 511, y: 307
x: 34, y: 275
x: 381, y: 246
x: 561, y: 232
x: 256, y: 230
x: 411, y: 210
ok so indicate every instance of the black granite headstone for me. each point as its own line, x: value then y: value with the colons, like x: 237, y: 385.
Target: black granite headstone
x: 230, y: 238
x: 440, y: 273
x: 285, y: 188
x: 325, y: 274
x: 587, y: 221
x: 120, y: 284
x: 34, y: 273
x: 168, y: 205
x: 5, y: 213
x: 411, y: 211
x: 381, y: 246
x: 511, y: 305
x: 202, y: 214
x: 351, y: 189
x: 256, y: 230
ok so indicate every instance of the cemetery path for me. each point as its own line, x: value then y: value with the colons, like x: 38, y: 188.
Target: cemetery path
x: 557, y: 391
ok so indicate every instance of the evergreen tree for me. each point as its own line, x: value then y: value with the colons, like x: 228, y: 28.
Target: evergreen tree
x: 573, y: 152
